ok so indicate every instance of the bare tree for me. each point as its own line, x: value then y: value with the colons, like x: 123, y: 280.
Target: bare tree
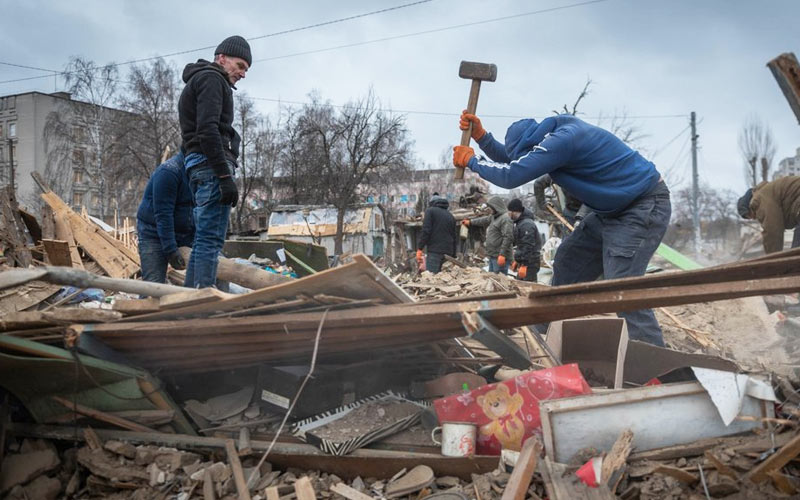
x: 258, y: 159
x: 298, y: 179
x: 358, y: 140
x: 84, y: 135
x: 152, y: 101
x: 574, y: 110
x: 758, y: 149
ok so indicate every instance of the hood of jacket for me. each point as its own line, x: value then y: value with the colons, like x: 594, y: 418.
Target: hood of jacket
x: 192, y: 69
x: 498, y: 204
x: 524, y: 134
x: 526, y: 214
x: 440, y: 202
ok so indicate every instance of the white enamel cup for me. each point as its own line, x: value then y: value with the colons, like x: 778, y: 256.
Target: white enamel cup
x: 458, y: 438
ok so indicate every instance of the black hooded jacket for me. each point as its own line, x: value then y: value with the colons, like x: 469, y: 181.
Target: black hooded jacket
x: 205, y: 110
x: 438, y: 228
x: 527, y: 240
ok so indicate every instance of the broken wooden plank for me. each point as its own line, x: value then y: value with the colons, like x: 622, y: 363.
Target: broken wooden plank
x: 517, y: 487
x: 191, y: 297
x: 238, y: 472
x: 678, y: 473
x: 130, y: 307
x: 12, y: 230
x: 304, y: 490
x: 63, y: 232
x: 616, y: 459
x: 63, y: 316
x: 208, y: 486
x: 26, y: 295
x: 272, y: 493
x: 723, y: 469
x: 115, y: 262
x: 102, y: 416
x: 349, y: 492
x: 775, y: 461
x: 58, y: 253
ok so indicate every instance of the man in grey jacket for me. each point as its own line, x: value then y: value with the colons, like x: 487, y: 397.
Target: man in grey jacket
x: 499, y: 235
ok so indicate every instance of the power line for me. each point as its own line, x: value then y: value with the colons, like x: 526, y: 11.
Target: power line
x: 435, y: 30
x: 665, y: 146
x: 260, y: 37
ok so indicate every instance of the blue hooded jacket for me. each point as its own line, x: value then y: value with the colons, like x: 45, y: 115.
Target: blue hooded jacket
x: 165, y: 212
x: 591, y: 163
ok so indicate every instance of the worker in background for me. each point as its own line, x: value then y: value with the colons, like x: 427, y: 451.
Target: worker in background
x: 776, y: 205
x: 438, y: 234
x: 164, y: 220
x: 527, y: 242
x: 631, y: 202
x: 499, y: 235
x: 205, y: 112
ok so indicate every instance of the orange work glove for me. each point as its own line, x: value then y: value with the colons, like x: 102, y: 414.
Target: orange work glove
x: 419, y: 256
x: 514, y: 265
x: 462, y: 155
x: 501, y: 260
x: 465, y: 222
x: 522, y: 272
x: 477, y: 129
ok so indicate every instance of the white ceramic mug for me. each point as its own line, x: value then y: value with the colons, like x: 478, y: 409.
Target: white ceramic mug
x: 458, y: 438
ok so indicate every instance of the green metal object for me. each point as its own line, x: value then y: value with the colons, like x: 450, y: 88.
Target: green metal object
x: 308, y: 269
x: 41, y: 371
x: 676, y: 258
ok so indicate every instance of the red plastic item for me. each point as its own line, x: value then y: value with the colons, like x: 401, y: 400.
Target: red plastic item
x: 507, y: 413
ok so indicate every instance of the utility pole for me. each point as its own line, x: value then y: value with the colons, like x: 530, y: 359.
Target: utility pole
x: 695, y: 187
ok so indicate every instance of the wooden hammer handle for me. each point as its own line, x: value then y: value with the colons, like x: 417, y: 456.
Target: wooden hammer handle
x: 472, y: 105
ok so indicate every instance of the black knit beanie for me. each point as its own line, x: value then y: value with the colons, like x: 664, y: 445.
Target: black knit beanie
x: 515, y: 205
x: 743, y: 205
x: 235, y: 46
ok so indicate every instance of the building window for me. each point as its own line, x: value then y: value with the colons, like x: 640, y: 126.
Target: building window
x: 413, y: 197
x: 404, y: 198
x: 77, y: 176
x: 1, y: 130
x: 378, y: 222
x: 392, y: 198
x: 96, y: 200
x: 77, y: 199
x: 12, y: 129
x: 262, y: 221
x: 383, y: 198
x: 370, y: 199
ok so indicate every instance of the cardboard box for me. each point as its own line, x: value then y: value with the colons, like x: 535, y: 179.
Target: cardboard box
x: 597, y: 345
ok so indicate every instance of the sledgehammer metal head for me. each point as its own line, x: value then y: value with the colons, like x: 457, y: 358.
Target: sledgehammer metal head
x: 477, y: 72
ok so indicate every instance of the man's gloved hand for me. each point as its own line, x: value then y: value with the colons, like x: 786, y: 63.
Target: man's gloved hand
x: 230, y: 193
x: 419, y: 256
x: 462, y: 155
x: 465, y: 222
x: 522, y: 272
x: 176, y: 261
x: 477, y: 128
x: 514, y: 265
x: 501, y: 260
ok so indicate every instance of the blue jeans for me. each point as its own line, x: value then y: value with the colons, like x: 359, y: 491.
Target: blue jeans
x: 211, y: 225
x: 152, y: 259
x: 618, y: 246
x: 494, y: 268
x: 433, y: 262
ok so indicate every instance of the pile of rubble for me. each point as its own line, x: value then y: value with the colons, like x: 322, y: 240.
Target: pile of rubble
x: 457, y: 280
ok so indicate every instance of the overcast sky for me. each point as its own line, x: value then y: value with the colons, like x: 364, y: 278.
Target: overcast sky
x: 650, y: 59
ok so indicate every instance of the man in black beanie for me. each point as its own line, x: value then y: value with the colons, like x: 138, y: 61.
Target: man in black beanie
x: 776, y: 206
x: 527, y: 242
x: 211, y: 146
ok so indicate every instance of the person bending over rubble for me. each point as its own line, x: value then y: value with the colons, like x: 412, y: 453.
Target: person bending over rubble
x: 205, y: 111
x: 527, y: 242
x: 776, y: 205
x: 438, y: 234
x: 499, y: 235
x: 164, y: 220
x: 630, y: 200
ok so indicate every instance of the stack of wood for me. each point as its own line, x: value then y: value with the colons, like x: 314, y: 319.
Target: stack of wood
x: 456, y: 280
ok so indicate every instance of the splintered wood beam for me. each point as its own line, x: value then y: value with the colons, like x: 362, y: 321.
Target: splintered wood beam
x: 775, y: 461
x: 517, y: 486
x: 102, y: 416
x: 238, y: 472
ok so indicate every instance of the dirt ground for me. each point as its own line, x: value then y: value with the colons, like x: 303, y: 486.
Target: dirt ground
x: 739, y: 329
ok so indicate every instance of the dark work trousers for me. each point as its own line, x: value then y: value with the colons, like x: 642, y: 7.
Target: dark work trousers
x: 152, y: 259
x: 618, y: 246
x: 433, y: 262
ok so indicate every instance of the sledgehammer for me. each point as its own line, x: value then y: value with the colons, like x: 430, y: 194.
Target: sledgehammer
x: 477, y: 72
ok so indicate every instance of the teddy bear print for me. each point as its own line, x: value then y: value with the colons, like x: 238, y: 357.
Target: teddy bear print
x: 501, y: 407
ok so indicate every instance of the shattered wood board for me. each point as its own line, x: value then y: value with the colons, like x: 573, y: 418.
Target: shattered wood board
x: 659, y: 416
x: 58, y: 252
x: 116, y: 262
x: 58, y: 316
x: 358, y: 280
x: 24, y: 296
